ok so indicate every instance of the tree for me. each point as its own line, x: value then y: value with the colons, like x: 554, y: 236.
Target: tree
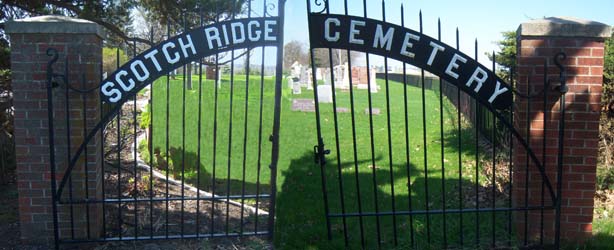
x: 608, y: 67
x: 506, y: 57
x: 7, y: 145
x: 338, y: 56
x: 605, y: 180
x: 114, y: 15
x: 109, y: 59
x: 161, y: 15
x: 294, y: 51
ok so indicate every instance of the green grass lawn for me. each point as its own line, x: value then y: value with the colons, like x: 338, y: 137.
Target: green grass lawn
x: 182, y: 132
x: 300, y: 219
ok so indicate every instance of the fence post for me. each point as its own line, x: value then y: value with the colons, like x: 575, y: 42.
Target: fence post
x: 583, y: 42
x: 80, y: 42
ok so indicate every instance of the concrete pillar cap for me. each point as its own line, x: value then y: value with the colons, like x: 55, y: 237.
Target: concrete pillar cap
x: 53, y: 24
x: 565, y: 27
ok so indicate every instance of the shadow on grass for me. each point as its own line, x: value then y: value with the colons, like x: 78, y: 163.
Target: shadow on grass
x: 301, y: 221
x: 187, y: 165
x: 598, y: 241
x: 182, y: 217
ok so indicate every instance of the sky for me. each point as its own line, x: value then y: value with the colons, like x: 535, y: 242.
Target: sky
x: 476, y: 19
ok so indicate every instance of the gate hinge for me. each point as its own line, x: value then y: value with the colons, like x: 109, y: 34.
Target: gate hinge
x: 562, y: 87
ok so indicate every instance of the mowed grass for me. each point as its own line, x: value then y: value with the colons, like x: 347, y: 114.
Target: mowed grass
x: 363, y: 173
x: 222, y: 152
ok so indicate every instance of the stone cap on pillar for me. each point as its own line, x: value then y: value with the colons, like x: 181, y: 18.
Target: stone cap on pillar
x: 53, y: 24
x: 564, y: 27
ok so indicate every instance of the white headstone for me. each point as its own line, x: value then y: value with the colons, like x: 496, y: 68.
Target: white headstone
x: 326, y: 76
x: 296, y: 69
x: 325, y: 94
x: 338, y: 72
x: 309, y: 80
x: 320, y: 74
x: 345, y: 82
x: 303, y: 78
x: 373, y: 80
x: 296, y: 88
x: 290, y: 82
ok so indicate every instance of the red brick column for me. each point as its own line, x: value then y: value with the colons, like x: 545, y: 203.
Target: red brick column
x: 81, y: 42
x: 583, y: 42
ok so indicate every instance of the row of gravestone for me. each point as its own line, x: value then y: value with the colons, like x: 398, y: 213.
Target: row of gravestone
x: 308, y: 105
x: 302, y: 77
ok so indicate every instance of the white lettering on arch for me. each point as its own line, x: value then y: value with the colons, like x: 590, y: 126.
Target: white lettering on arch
x: 168, y: 57
x: 381, y: 39
x: 454, y: 65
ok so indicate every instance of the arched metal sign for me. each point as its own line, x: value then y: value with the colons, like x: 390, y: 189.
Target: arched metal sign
x: 187, y: 47
x: 409, y: 46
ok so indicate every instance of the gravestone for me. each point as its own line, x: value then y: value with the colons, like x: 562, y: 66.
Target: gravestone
x: 345, y: 81
x: 342, y: 110
x: 373, y: 80
x: 338, y: 74
x: 304, y: 105
x: 296, y: 88
x: 326, y: 77
x: 374, y: 111
x: 303, y: 78
x: 296, y: 69
x: 309, y: 80
x: 325, y: 94
x: 290, y: 82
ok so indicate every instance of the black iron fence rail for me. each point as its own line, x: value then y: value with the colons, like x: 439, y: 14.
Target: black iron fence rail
x: 157, y: 199
x: 496, y: 124
x: 129, y: 215
x: 170, y: 237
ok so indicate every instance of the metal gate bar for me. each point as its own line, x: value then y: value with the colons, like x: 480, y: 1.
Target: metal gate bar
x: 487, y: 125
x: 119, y: 206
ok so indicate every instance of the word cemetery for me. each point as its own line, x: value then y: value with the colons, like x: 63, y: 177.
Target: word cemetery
x: 408, y: 46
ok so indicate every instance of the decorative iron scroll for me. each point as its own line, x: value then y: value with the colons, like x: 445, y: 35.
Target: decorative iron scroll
x: 409, y: 46
x: 189, y: 46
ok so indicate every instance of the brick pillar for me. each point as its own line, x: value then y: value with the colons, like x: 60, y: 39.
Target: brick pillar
x: 81, y: 42
x: 583, y: 42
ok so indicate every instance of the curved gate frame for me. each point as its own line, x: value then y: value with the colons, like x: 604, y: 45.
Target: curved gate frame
x: 321, y: 151
x: 115, y: 92
x: 330, y: 31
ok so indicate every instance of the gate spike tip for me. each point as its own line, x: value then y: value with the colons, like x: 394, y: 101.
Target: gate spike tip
x: 420, y: 19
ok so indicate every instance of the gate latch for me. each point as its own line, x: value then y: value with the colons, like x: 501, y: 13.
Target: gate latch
x: 320, y: 154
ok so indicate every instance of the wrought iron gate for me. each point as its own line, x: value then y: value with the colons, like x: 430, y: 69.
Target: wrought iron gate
x: 429, y: 162
x: 157, y: 157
